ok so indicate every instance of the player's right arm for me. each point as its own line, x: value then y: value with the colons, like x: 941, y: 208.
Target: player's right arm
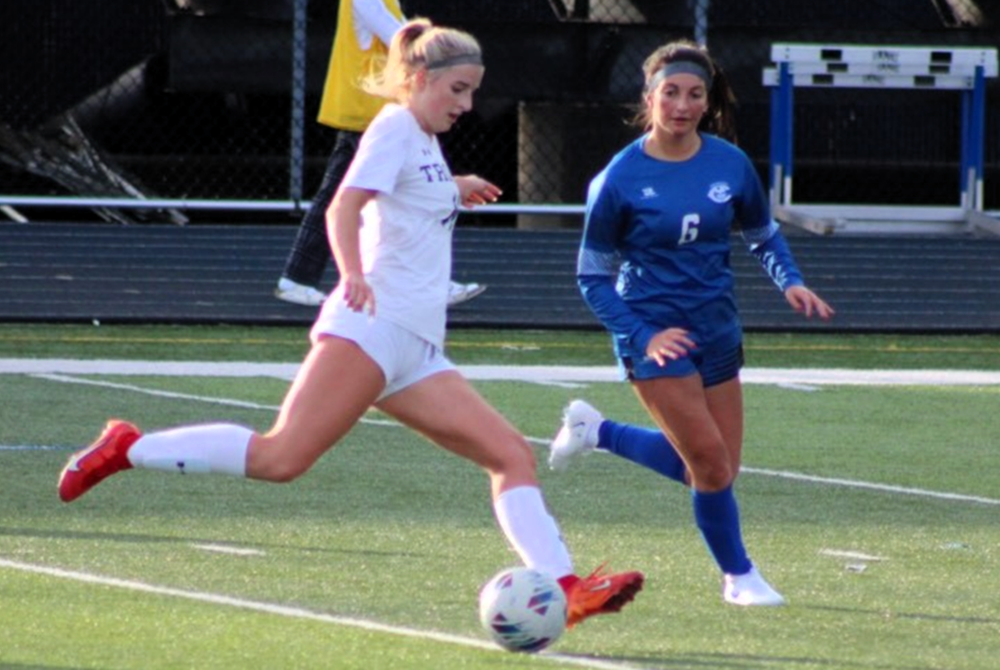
x: 599, y: 260
x: 343, y: 221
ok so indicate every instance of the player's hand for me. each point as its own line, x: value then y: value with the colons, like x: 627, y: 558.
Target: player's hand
x: 808, y: 303
x: 669, y: 345
x: 358, y: 294
x: 474, y: 190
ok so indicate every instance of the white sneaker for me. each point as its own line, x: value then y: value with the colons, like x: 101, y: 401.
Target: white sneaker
x: 577, y: 436
x: 300, y: 294
x: 750, y: 589
x: 459, y: 293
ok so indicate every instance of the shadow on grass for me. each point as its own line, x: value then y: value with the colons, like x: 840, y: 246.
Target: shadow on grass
x: 886, y: 614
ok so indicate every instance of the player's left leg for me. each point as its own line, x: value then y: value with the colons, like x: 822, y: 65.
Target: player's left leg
x: 447, y: 410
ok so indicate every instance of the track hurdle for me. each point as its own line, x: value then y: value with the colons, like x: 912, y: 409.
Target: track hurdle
x: 963, y: 69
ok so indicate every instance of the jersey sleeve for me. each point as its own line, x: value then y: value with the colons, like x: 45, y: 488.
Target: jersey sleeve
x: 381, y: 153
x: 763, y: 236
x: 599, y: 260
x: 377, y: 18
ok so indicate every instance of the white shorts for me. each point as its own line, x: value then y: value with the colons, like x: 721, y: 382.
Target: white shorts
x: 405, y: 358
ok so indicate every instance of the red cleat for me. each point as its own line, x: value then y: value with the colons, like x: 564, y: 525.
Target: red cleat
x: 600, y: 593
x: 103, y: 458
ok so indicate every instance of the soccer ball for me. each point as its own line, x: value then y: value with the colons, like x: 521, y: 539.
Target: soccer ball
x: 523, y: 609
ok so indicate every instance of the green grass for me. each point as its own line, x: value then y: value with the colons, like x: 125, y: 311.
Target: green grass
x: 388, y: 529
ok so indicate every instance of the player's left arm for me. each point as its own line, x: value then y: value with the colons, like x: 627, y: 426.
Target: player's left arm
x: 474, y: 190
x: 763, y: 238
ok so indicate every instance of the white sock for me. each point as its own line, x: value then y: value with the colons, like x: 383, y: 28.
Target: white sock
x: 207, y: 448
x: 532, y: 531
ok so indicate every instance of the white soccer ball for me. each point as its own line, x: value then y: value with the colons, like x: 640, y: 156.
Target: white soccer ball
x: 523, y: 609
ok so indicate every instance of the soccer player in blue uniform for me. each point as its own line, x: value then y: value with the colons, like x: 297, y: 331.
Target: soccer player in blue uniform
x: 654, y: 267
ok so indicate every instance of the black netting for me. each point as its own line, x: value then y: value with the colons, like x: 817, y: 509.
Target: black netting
x: 193, y: 99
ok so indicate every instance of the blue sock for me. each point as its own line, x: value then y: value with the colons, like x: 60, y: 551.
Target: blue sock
x: 718, y: 518
x: 649, y: 448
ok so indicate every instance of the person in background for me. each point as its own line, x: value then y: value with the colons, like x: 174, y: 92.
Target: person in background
x: 654, y: 267
x: 364, y: 29
x: 379, y: 339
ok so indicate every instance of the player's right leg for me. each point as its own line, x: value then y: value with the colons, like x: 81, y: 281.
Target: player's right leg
x: 335, y: 386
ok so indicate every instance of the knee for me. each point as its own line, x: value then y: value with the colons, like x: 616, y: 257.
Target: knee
x: 274, y: 465
x: 515, y: 458
x: 710, y: 471
x: 282, y: 473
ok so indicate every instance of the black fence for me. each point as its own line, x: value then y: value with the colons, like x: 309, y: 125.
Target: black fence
x: 215, y: 100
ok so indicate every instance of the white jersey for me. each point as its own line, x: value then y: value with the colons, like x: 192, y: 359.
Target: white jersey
x: 406, y: 228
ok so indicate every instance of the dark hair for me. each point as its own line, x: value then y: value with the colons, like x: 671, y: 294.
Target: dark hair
x: 720, y: 118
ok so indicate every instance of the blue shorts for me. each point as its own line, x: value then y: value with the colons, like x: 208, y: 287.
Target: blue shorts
x: 717, y: 361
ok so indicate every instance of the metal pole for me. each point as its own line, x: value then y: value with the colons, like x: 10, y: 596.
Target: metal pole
x: 298, y: 112
x: 700, y: 8
x: 977, y: 133
x: 787, y: 136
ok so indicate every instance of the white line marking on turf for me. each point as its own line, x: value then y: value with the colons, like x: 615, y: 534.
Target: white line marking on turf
x: 530, y: 373
x: 27, y: 447
x: 229, y: 402
x: 156, y: 392
x: 540, y: 374
x: 886, y: 488
x: 224, y: 549
x: 300, y: 613
x: 809, y: 388
x: 146, y: 368
x: 847, y: 483
x: 856, y: 555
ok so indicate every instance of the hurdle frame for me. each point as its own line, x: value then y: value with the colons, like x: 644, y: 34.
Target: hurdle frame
x: 963, y: 69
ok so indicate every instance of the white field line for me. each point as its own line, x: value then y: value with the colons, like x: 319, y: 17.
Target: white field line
x: 229, y: 402
x: 856, y: 555
x: 226, y: 549
x: 543, y: 441
x: 56, y: 370
x: 299, y: 613
x: 530, y: 373
x: 884, y: 488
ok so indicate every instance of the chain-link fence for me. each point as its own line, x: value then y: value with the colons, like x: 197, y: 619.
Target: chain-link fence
x: 194, y: 102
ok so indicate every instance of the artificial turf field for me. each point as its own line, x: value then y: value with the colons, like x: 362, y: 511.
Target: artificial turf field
x: 875, y: 509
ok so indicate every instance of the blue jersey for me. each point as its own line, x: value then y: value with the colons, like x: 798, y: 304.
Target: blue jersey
x: 656, y: 242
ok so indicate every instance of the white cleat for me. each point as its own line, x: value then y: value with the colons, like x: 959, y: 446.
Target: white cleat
x: 300, y: 294
x: 577, y: 436
x: 750, y: 590
x: 459, y: 293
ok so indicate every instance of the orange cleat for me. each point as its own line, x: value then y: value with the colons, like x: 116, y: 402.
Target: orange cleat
x: 103, y: 458
x: 600, y: 593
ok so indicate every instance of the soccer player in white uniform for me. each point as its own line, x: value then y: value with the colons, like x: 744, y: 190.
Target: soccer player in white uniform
x: 364, y: 32
x: 654, y: 268
x: 379, y: 339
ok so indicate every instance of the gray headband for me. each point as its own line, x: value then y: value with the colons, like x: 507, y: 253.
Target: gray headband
x: 460, y: 59
x: 680, y: 67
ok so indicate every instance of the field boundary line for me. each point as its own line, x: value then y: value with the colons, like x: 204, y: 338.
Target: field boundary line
x: 528, y: 373
x: 828, y: 481
x: 858, y: 484
x: 300, y: 613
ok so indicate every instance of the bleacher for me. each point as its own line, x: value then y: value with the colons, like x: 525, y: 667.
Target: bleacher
x: 80, y: 273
